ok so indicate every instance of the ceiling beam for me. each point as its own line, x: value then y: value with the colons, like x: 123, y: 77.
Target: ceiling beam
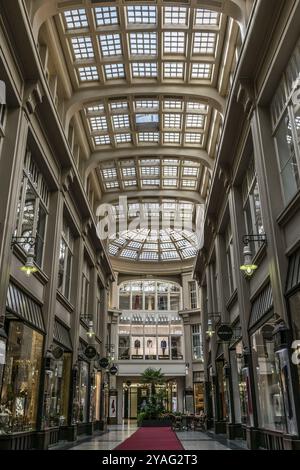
x: 81, y: 97
x: 178, y: 194
x: 127, y: 153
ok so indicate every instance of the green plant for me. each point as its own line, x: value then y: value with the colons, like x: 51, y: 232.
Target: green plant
x: 153, y: 377
x: 140, y: 417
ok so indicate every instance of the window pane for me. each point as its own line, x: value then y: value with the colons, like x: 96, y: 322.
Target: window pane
x: 176, y: 347
x: 287, y: 159
x: 40, y: 234
x: 124, y: 346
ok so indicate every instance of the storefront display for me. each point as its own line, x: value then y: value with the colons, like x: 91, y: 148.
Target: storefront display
x: 56, y: 395
x: 150, y: 348
x: 137, y: 349
x: 124, y: 347
x: 21, y: 378
x: 163, y: 347
x: 82, y: 391
x: 176, y: 347
x: 271, y: 413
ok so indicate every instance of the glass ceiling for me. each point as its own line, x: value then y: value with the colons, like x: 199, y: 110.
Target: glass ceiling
x: 142, y: 58
x: 169, y: 237
x: 151, y: 172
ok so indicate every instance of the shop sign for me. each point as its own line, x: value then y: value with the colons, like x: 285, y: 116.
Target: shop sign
x: 103, y: 362
x: 225, y: 333
x: 113, y: 370
x: 90, y: 352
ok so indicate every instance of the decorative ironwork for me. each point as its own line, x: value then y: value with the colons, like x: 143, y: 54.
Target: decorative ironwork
x: 261, y: 238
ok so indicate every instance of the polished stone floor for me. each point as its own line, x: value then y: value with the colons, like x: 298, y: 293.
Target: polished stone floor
x: 191, y: 440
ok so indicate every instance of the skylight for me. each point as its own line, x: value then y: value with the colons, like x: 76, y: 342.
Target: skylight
x: 175, y: 15
x: 148, y: 136
x: 207, y: 17
x: 172, y: 137
x: 201, y: 71
x: 195, y: 121
x: 120, y: 120
x: 123, y: 138
x: 174, y: 42
x: 114, y: 71
x: 144, y: 69
x: 173, y: 69
x: 102, y: 139
x: 143, y: 43
x: 172, y: 121
x: 82, y: 47
x: 141, y: 14
x: 204, y: 43
x: 76, y: 19
x: 110, y: 44
x: 106, y: 16
x: 88, y: 73
x: 98, y: 123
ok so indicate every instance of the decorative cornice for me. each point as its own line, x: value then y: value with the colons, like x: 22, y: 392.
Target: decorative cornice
x: 246, y: 96
x: 67, y: 178
x: 33, y: 96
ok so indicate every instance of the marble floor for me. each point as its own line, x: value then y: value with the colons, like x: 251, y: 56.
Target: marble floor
x: 191, y: 440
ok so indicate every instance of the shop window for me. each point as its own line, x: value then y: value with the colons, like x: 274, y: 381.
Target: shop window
x: 267, y: 380
x: 150, y: 348
x: 198, y: 396
x: 82, y: 392
x: 32, y: 208
x: 137, y: 302
x: 252, y: 206
x: 57, y: 389
x: 294, y: 303
x: 230, y: 260
x: 124, y: 347
x: 162, y: 301
x: 193, y: 294
x: 197, y: 342
x: 176, y: 347
x: 21, y: 379
x: 239, y: 385
x: 285, y: 114
x: 137, y: 347
x: 124, y: 301
x: 65, y: 261
x: 163, y: 347
x: 149, y: 301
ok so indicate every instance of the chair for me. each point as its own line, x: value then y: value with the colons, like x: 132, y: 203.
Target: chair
x: 177, y: 425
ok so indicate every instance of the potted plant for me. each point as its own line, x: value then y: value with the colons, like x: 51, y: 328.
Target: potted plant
x: 154, y: 413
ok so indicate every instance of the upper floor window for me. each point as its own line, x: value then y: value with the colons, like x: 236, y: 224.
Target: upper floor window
x: 85, y: 291
x: 149, y: 295
x: 32, y: 207
x: 193, y: 294
x: 230, y: 260
x: 285, y: 113
x: 197, y: 342
x: 65, y: 260
x: 252, y: 206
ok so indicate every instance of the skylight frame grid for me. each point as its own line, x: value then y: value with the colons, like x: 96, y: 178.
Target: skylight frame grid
x: 193, y: 138
x: 174, y: 42
x: 143, y: 43
x: 144, y: 69
x: 110, y: 44
x: 98, y: 123
x: 123, y: 138
x: 129, y: 254
x: 144, y: 103
x: 114, y: 71
x: 175, y: 15
x: 201, y: 71
x: 95, y: 109
x: 141, y: 14
x: 118, y: 105
x: 88, y: 73
x: 205, y: 17
x: 76, y: 19
x: 169, y: 103
x: 112, y: 185
x: 109, y: 173
x: 172, y: 120
x: 82, y: 47
x: 172, y: 137
x: 130, y: 183
x: 149, y: 256
x: 195, y: 121
x: 121, y: 121
x: 204, y: 43
x: 148, y: 137
x: 173, y: 70
x: 102, y: 139
x: 106, y: 15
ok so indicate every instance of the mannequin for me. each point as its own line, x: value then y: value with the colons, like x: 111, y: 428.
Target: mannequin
x: 163, y: 346
x: 137, y: 345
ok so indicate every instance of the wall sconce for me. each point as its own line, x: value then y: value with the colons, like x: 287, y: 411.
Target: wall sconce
x: 91, y: 332
x: 29, y: 267
x: 249, y: 267
x: 187, y: 366
x: 210, y: 331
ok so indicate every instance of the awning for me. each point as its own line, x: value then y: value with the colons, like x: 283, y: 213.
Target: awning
x: 293, y: 279
x: 24, y: 307
x: 262, y: 305
x: 62, y: 335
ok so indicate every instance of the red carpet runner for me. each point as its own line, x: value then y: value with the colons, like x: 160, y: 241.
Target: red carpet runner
x: 152, y: 439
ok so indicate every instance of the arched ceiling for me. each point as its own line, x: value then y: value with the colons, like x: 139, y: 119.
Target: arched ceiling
x: 149, y: 84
